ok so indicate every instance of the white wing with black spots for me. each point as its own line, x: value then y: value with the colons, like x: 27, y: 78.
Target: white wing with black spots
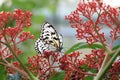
x: 40, y: 46
x: 49, y: 39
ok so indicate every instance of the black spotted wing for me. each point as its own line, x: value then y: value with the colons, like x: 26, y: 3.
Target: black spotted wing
x: 49, y: 39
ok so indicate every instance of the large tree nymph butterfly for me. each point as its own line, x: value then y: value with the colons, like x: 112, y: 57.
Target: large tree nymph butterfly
x: 49, y: 39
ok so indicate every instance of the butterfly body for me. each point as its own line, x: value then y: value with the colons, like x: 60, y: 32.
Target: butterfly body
x: 49, y: 39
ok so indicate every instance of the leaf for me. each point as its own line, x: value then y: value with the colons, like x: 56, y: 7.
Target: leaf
x: 89, y: 78
x: 83, y: 45
x: 116, y: 47
x: 2, y: 73
x: 58, y: 76
x: 88, y: 70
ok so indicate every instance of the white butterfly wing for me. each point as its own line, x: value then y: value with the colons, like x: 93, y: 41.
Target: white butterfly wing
x: 50, y: 35
x: 49, y: 39
x: 40, y: 46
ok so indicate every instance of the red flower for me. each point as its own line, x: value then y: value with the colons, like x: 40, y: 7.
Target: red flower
x: 22, y: 18
x: 114, y: 71
x: 43, y: 64
x: 25, y: 35
x: 95, y: 59
x: 71, y: 65
x: 4, y: 18
x: 12, y: 32
x: 86, y: 28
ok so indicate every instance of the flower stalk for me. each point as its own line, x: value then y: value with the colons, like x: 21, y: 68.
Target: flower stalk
x: 107, y: 66
x: 30, y: 75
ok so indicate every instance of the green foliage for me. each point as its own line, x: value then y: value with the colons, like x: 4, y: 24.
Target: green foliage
x: 83, y: 45
x: 25, y: 4
x: 37, y: 19
x: 85, y: 67
x: 58, y: 76
x: 2, y: 73
x: 116, y: 47
x: 89, y: 78
x: 29, y: 5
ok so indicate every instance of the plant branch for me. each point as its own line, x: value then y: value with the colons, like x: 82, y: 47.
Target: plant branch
x: 103, y: 64
x: 14, y: 68
x: 107, y: 66
x: 99, y: 37
x: 31, y: 76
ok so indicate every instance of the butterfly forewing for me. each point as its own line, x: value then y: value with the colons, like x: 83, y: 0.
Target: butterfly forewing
x: 49, y: 39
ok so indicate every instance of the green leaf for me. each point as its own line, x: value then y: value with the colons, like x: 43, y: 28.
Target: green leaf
x: 89, y: 78
x: 58, y: 76
x: 88, y: 70
x: 2, y: 73
x: 85, y: 67
x: 116, y: 47
x: 83, y: 45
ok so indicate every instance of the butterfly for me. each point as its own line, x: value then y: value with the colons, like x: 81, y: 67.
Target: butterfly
x: 49, y: 39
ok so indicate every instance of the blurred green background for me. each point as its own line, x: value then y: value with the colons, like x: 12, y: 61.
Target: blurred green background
x: 52, y: 11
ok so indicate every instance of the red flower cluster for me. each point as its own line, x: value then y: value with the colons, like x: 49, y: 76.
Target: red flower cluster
x: 94, y: 59
x: 4, y: 18
x: 110, y: 17
x: 71, y: 65
x: 88, y: 19
x: 114, y: 71
x: 94, y: 14
x: 11, y: 26
x: 44, y: 65
x: 24, y: 36
x: 11, y: 34
x: 22, y: 18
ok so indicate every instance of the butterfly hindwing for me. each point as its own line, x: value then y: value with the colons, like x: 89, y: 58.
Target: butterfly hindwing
x: 49, y: 39
x: 40, y: 46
